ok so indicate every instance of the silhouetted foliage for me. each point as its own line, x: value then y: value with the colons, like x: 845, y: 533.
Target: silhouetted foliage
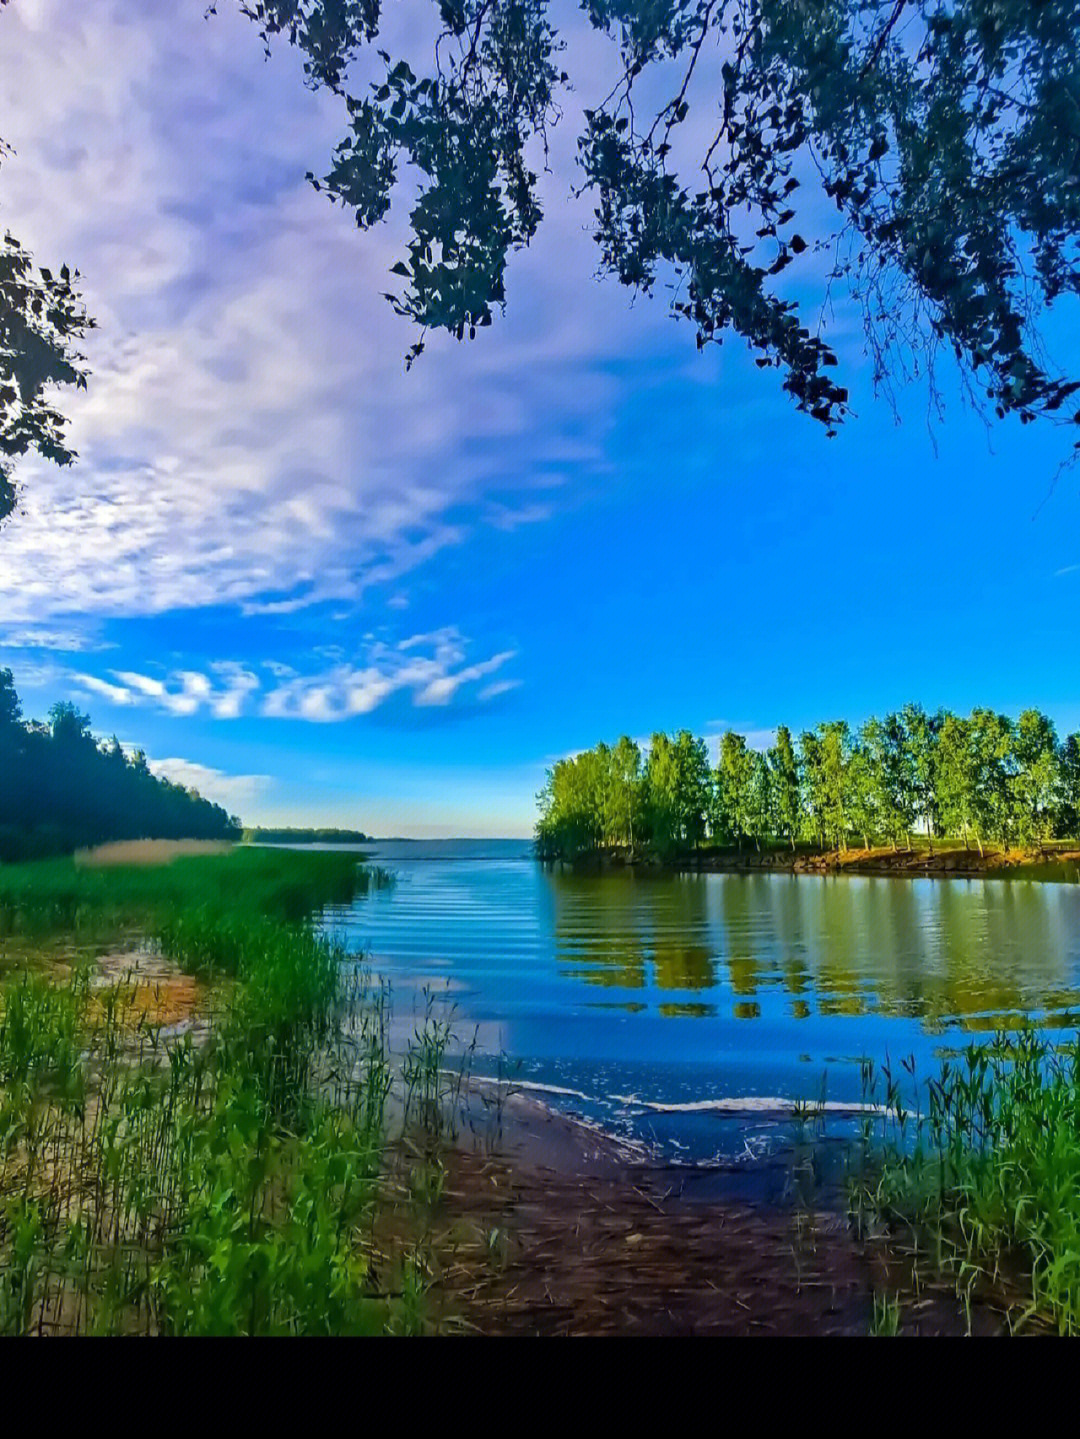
x: 923, y: 154
x: 925, y: 150
x: 61, y: 790
x: 40, y: 316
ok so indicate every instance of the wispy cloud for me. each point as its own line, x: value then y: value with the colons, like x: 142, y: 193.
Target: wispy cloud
x: 184, y: 692
x: 432, y: 668
x: 500, y: 687
x: 63, y: 641
x: 249, y: 435
x: 115, y: 694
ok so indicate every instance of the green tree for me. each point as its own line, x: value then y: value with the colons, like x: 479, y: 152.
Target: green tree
x: 1035, y: 777
x: 918, y: 753
x: 662, y: 805
x: 958, y: 778
x: 834, y: 781
x: 992, y: 750
x: 812, y: 787
x: 60, y: 789
x: 734, y: 780
x: 694, y: 786
x: 883, y: 771
x: 626, y: 794
x: 945, y: 147
x: 784, y: 786
x: 10, y: 708
x: 1069, y: 788
x: 760, y: 804
x: 862, y: 795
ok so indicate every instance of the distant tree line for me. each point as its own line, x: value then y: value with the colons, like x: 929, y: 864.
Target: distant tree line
x: 61, y: 789
x: 258, y: 835
x: 983, y: 778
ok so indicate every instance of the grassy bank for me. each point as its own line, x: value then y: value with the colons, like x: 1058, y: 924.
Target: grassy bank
x: 150, y: 1183
x: 240, y: 884
x: 985, y: 1180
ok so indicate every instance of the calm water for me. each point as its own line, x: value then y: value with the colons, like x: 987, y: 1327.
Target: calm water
x: 674, y: 990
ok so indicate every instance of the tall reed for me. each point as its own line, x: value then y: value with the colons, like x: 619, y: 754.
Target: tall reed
x: 987, y: 1175
x: 158, y: 1183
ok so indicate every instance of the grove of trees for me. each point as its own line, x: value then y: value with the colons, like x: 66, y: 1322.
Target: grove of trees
x: 983, y: 778
x: 61, y: 789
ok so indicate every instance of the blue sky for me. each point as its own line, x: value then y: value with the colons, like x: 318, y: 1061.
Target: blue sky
x: 327, y: 591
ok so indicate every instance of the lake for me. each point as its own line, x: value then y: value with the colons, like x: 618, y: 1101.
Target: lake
x: 615, y: 992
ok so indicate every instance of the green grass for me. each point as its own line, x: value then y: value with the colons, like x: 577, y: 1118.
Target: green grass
x: 58, y: 893
x: 160, y: 1185
x: 886, y: 1320
x: 988, y: 1178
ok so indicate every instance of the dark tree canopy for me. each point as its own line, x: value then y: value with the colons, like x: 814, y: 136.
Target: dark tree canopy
x: 922, y: 154
x: 60, y: 789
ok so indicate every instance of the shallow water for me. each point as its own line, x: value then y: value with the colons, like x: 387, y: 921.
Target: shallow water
x: 629, y: 992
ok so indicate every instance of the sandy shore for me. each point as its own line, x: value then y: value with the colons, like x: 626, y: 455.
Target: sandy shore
x: 546, y: 1226
x: 1054, y: 863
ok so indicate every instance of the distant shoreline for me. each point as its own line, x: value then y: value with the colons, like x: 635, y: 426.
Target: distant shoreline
x: 1062, y: 864
x: 257, y: 834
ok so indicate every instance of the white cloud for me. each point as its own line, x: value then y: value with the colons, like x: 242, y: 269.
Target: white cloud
x: 500, y: 687
x: 344, y: 690
x: 117, y: 694
x: 232, y: 791
x: 249, y: 435
x: 66, y: 641
x: 442, y: 689
x: 431, y: 667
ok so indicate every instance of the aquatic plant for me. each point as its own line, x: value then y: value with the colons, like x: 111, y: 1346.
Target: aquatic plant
x: 241, y: 884
x: 153, y: 1183
x: 987, y: 1177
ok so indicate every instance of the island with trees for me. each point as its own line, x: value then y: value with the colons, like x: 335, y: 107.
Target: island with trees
x: 910, y: 791
x: 290, y: 836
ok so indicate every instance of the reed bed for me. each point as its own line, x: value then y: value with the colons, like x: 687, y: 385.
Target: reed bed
x: 986, y: 1176
x: 156, y: 1182
x: 286, y: 885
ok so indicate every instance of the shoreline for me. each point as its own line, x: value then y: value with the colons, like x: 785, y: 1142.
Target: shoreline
x: 1060, y: 866
x: 548, y: 1226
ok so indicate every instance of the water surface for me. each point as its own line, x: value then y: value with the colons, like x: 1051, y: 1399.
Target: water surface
x: 638, y: 989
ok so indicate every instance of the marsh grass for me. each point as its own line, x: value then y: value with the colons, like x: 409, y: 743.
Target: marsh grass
x: 150, y: 1183
x: 61, y: 895
x: 986, y: 1176
x: 886, y: 1320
